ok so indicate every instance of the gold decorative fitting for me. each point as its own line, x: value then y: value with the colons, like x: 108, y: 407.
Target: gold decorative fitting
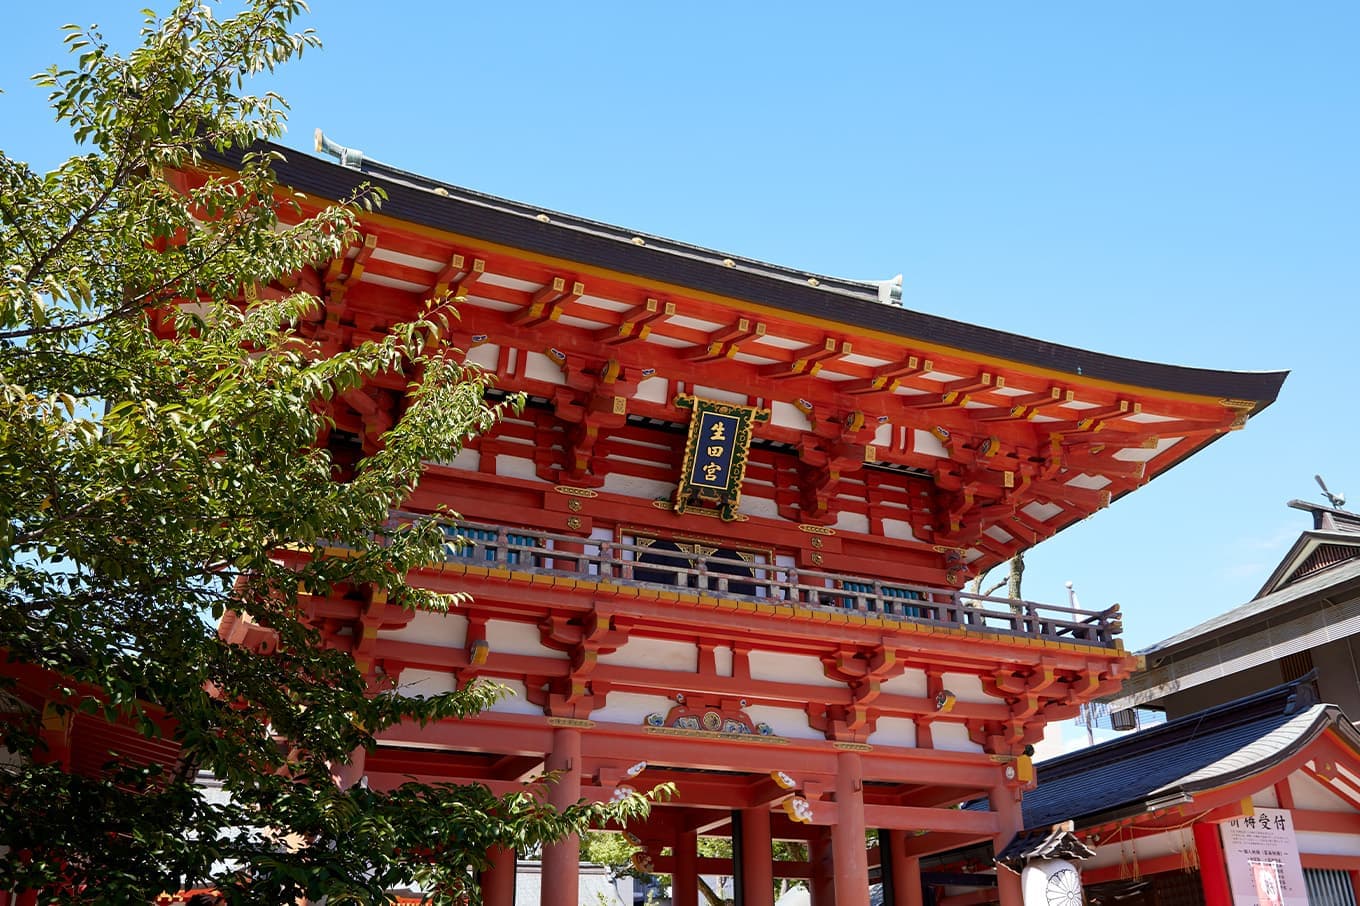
x: 852, y: 746
x: 817, y: 543
x: 1229, y: 403
x: 716, y: 451
x: 575, y: 492
x: 816, y: 559
x: 576, y: 722
x: 815, y: 529
x: 710, y: 734
x: 573, y: 522
x: 638, y: 240
x: 575, y: 505
x: 728, y: 262
x: 542, y: 218
x: 663, y: 505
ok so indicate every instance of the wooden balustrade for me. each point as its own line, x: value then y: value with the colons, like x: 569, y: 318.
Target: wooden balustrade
x: 534, y: 551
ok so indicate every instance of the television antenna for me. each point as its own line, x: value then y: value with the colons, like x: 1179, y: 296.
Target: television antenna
x: 1336, y: 500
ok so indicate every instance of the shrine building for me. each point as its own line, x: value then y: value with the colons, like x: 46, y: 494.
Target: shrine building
x: 725, y: 543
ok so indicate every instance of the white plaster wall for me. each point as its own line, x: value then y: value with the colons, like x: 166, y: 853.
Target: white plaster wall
x: 516, y: 467
x: 487, y: 355
x: 894, y: 731
x: 789, y: 668
x: 1309, y: 794
x: 630, y: 708
x: 716, y: 393
x: 515, y: 701
x: 722, y: 660
x: 1328, y: 844
x: 656, y: 654
x: 790, y: 722
x: 426, y: 683
x: 752, y: 505
x: 643, y: 488
x: 1265, y: 798
x: 539, y: 367
x: 911, y: 682
x: 852, y: 522
x: 447, y: 630
x: 927, y: 444
x: 966, y: 687
x: 653, y: 390
x: 787, y: 415
x: 899, y: 529
x: 468, y: 460
x: 507, y: 637
x: 952, y: 737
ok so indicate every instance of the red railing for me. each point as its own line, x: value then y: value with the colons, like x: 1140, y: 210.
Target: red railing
x: 644, y: 562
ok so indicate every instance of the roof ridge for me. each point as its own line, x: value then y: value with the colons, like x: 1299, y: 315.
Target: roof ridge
x: 1238, y: 712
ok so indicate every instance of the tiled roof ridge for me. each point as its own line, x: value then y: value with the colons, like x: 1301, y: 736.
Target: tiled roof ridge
x: 1220, y: 717
x: 848, y: 302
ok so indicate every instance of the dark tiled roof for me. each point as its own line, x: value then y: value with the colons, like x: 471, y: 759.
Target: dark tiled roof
x: 443, y: 206
x: 1056, y: 843
x: 1201, y: 751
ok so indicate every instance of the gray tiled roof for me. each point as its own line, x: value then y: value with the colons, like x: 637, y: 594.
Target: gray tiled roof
x: 1193, y: 753
x: 459, y: 210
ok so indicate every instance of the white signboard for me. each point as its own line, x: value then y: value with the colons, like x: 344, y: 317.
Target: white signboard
x: 1263, y: 860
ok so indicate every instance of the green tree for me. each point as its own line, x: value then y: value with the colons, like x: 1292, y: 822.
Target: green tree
x: 154, y: 457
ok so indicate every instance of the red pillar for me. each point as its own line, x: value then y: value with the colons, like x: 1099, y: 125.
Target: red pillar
x: 1011, y: 820
x: 561, y: 878
x: 685, y: 879
x: 1213, y: 869
x: 498, y: 879
x: 906, y: 872
x: 348, y: 774
x: 757, y: 858
x: 823, y: 884
x: 847, y: 836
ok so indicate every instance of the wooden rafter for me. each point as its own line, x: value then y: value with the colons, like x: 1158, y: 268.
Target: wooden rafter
x: 808, y: 360
x: 636, y: 322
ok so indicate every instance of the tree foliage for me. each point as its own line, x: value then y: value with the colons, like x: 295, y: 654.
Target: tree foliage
x: 155, y: 458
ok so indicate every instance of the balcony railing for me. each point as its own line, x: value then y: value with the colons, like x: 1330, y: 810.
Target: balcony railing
x: 533, y: 551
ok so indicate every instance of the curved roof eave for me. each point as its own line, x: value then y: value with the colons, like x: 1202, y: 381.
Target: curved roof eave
x: 461, y: 211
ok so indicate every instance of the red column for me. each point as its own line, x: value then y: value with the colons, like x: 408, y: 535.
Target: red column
x: 1011, y: 820
x: 823, y: 885
x: 561, y: 878
x: 685, y: 879
x: 757, y: 858
x: 1213, y: 870
x: 847, y: 836
x: 347, y: 775
x: 906, y: 872
x: 498, y: 879
x: 1008, y: 889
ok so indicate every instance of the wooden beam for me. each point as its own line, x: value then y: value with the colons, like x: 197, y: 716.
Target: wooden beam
x: 636, y: 323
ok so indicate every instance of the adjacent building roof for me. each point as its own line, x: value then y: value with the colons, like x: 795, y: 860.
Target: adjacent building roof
x: 1311, y: 598
x: 462, y: 211
x: 1174, y: 761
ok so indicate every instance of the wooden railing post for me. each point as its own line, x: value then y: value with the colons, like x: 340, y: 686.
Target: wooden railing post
x: 540, y: 550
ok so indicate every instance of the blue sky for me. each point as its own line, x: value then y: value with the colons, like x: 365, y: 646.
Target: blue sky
x: 1167, y: 181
